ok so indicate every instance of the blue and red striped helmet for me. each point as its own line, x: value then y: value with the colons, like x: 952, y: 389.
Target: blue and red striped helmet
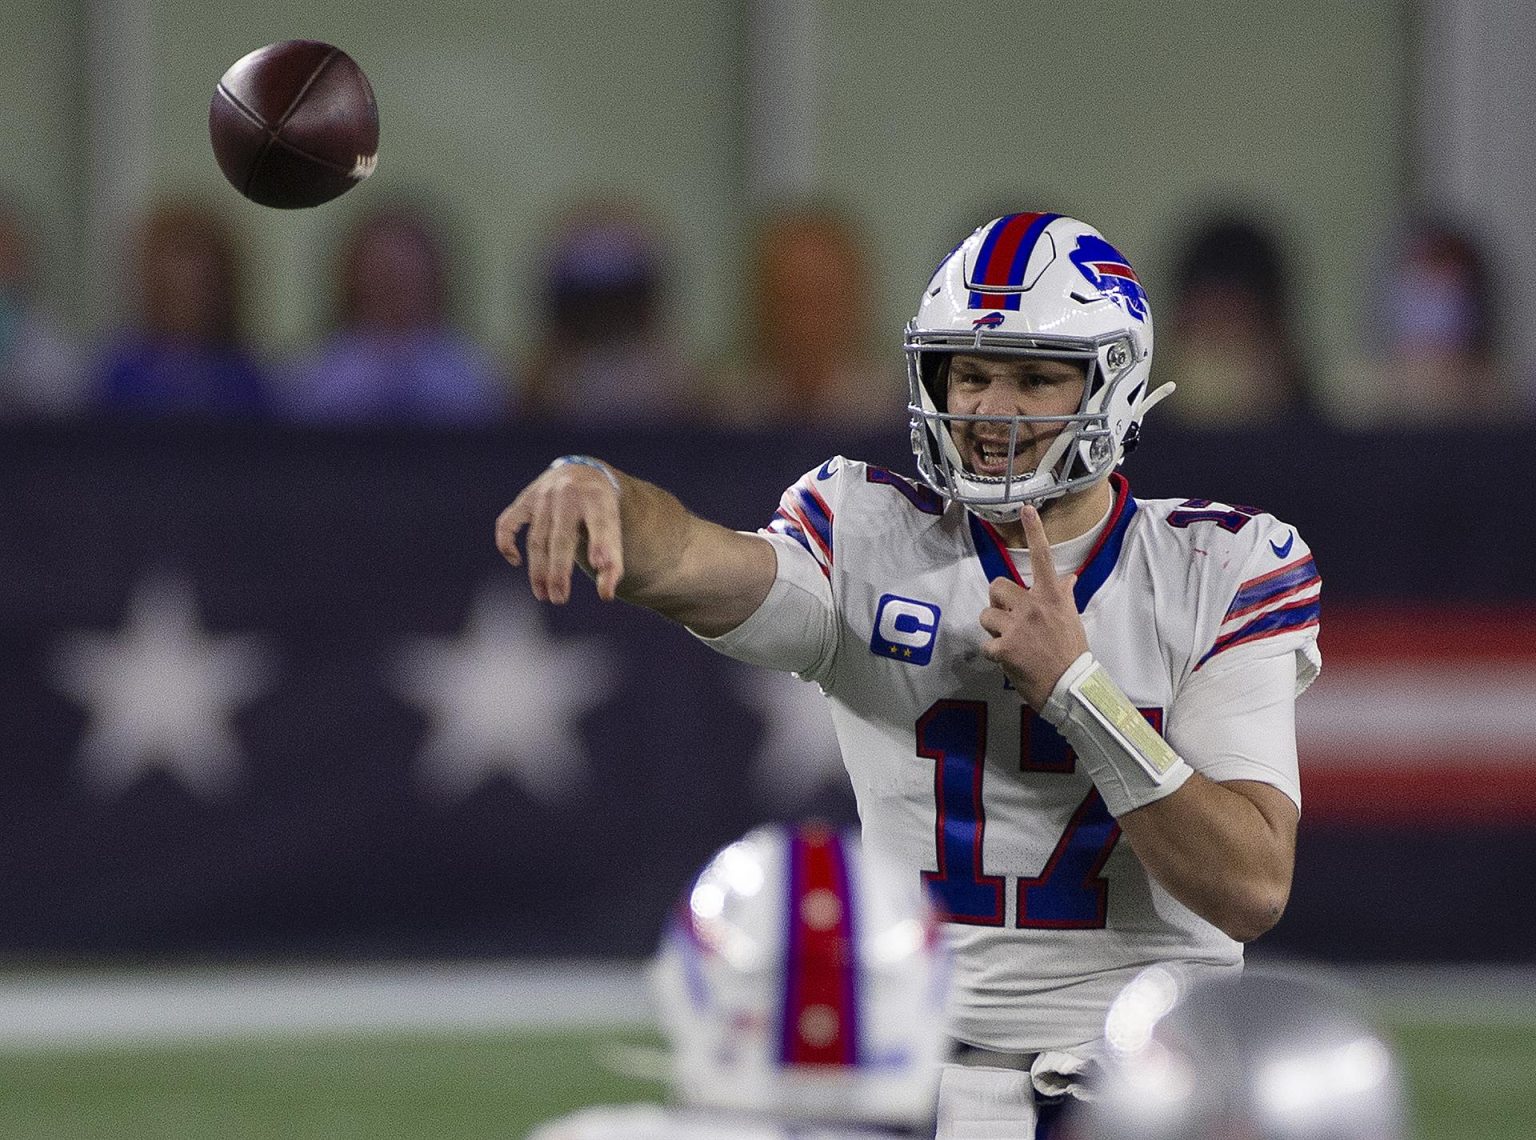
x: 804, y: 977
x: 1042, y: 285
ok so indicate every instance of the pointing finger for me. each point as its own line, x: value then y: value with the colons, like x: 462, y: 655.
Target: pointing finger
x: 1039, y: 546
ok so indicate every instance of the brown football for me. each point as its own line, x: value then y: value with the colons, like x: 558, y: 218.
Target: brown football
x: 294, y: 124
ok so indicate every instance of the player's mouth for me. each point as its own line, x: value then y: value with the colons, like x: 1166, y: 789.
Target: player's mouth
x: 991, y: 458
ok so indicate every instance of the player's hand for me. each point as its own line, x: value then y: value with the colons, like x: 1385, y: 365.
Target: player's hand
x: 1036, y: 633
x: 571, y: 514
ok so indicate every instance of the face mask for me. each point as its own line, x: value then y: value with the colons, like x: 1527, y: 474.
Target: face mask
x: 1432, y: 311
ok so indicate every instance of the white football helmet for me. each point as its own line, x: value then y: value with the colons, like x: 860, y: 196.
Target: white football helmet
x: 1032, y: 285
x: 1256, y: 1056
x: 805, y: 978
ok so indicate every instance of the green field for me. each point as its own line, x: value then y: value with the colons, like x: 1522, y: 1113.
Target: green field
x: 1469, y: 1082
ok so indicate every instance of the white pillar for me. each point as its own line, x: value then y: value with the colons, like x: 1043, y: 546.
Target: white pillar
x: 1476, y: 138
x: 783, y: 98
x: 119, y: 154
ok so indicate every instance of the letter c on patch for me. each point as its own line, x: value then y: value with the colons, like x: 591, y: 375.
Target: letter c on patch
x: 905, y: 630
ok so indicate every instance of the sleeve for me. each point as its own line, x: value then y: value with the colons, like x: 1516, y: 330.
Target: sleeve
x: 795, y: 629
x: 1236, y: 720
x: 1275, y: 609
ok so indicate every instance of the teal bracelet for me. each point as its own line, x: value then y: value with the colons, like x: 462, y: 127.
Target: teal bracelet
x: 589, y: 461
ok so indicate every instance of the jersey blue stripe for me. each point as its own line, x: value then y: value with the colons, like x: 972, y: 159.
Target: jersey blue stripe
x: 1283, y: 620
x: 817, y: 515
x: 1102, y: 561
x: 784, y: 526
x: 997, y: 563
x: 1287, y: 580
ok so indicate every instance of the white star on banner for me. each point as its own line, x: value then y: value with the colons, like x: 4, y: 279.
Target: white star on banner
x: 799, y: 753
x: 504, y: 697
x: 160, y: 692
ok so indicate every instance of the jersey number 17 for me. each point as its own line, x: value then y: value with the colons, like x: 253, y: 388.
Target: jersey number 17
x: 1069, y: 893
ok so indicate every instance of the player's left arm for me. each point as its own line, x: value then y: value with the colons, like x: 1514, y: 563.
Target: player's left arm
x: 1224, y: 848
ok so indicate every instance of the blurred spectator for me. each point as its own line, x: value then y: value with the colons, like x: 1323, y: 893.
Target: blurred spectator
x: 605, y: 353
x: 393, y: 354
x: 1229, y: 342
x: 42, y: 371
x: 811, y: 358
x: 186, y: 355
x: 1432, y: 329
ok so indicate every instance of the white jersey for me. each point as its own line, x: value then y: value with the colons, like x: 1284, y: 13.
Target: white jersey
x: 653, y: 1122
x: 879, y: 590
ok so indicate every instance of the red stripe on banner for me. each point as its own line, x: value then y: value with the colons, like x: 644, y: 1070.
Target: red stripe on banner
x: 1423, y: 717
x: 1434, y: 795
x: 819, y: 1010
x: 1419, y: 634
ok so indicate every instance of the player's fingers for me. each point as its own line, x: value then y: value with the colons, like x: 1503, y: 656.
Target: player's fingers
x: 992, y: 620
x: 992, y: 649
x: 605, y: 546
x: 509, y: 524
x: 1039, y: 546
x: 1005, y: 593
x: 566, y: 527
x: 537, y: 545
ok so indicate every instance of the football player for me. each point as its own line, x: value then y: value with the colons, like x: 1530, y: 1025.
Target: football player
x: 803, y: 989
x: 1069, y: 710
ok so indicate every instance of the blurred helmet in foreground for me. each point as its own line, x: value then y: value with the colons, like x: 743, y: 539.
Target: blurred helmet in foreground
x: 805, y: 977
x: 1249, y: 1057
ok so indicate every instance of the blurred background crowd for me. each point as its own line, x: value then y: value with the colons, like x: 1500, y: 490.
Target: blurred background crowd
x: 541, y: 243
x: 392, y: 346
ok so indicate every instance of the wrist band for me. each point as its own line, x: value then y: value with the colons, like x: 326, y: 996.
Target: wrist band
x: 589, y: 461
x: 1128, y: 761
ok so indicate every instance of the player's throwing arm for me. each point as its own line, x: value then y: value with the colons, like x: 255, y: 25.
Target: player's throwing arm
x: 638, y: 542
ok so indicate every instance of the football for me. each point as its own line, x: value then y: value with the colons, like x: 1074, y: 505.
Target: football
x: 294, y: 124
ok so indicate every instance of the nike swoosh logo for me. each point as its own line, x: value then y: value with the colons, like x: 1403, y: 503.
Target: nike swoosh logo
x: 828, y: 469
x: 1281, y: 549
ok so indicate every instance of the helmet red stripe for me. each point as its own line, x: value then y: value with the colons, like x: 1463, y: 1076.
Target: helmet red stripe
x: 1004, y: 256
x: 820, y: 983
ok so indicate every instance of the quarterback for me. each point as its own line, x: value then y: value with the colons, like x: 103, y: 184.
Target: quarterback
x: 1069, y: 710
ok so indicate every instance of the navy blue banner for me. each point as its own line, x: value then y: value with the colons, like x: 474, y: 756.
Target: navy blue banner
x: 270, y: 693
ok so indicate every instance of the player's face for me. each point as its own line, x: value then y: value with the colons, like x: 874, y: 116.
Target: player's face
x: 1006, y: 386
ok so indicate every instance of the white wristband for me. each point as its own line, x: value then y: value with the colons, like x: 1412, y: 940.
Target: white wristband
x: 589, y: 461
x: 1128, y: 761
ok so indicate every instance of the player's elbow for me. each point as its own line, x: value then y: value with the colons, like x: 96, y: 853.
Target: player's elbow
x: 1253, y: 911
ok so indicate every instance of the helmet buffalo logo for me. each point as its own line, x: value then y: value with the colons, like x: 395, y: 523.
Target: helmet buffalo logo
x: 990, y: 321
x: 1109, y: 273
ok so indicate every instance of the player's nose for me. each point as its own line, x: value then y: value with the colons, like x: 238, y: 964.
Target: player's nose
x: 998, y: 400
